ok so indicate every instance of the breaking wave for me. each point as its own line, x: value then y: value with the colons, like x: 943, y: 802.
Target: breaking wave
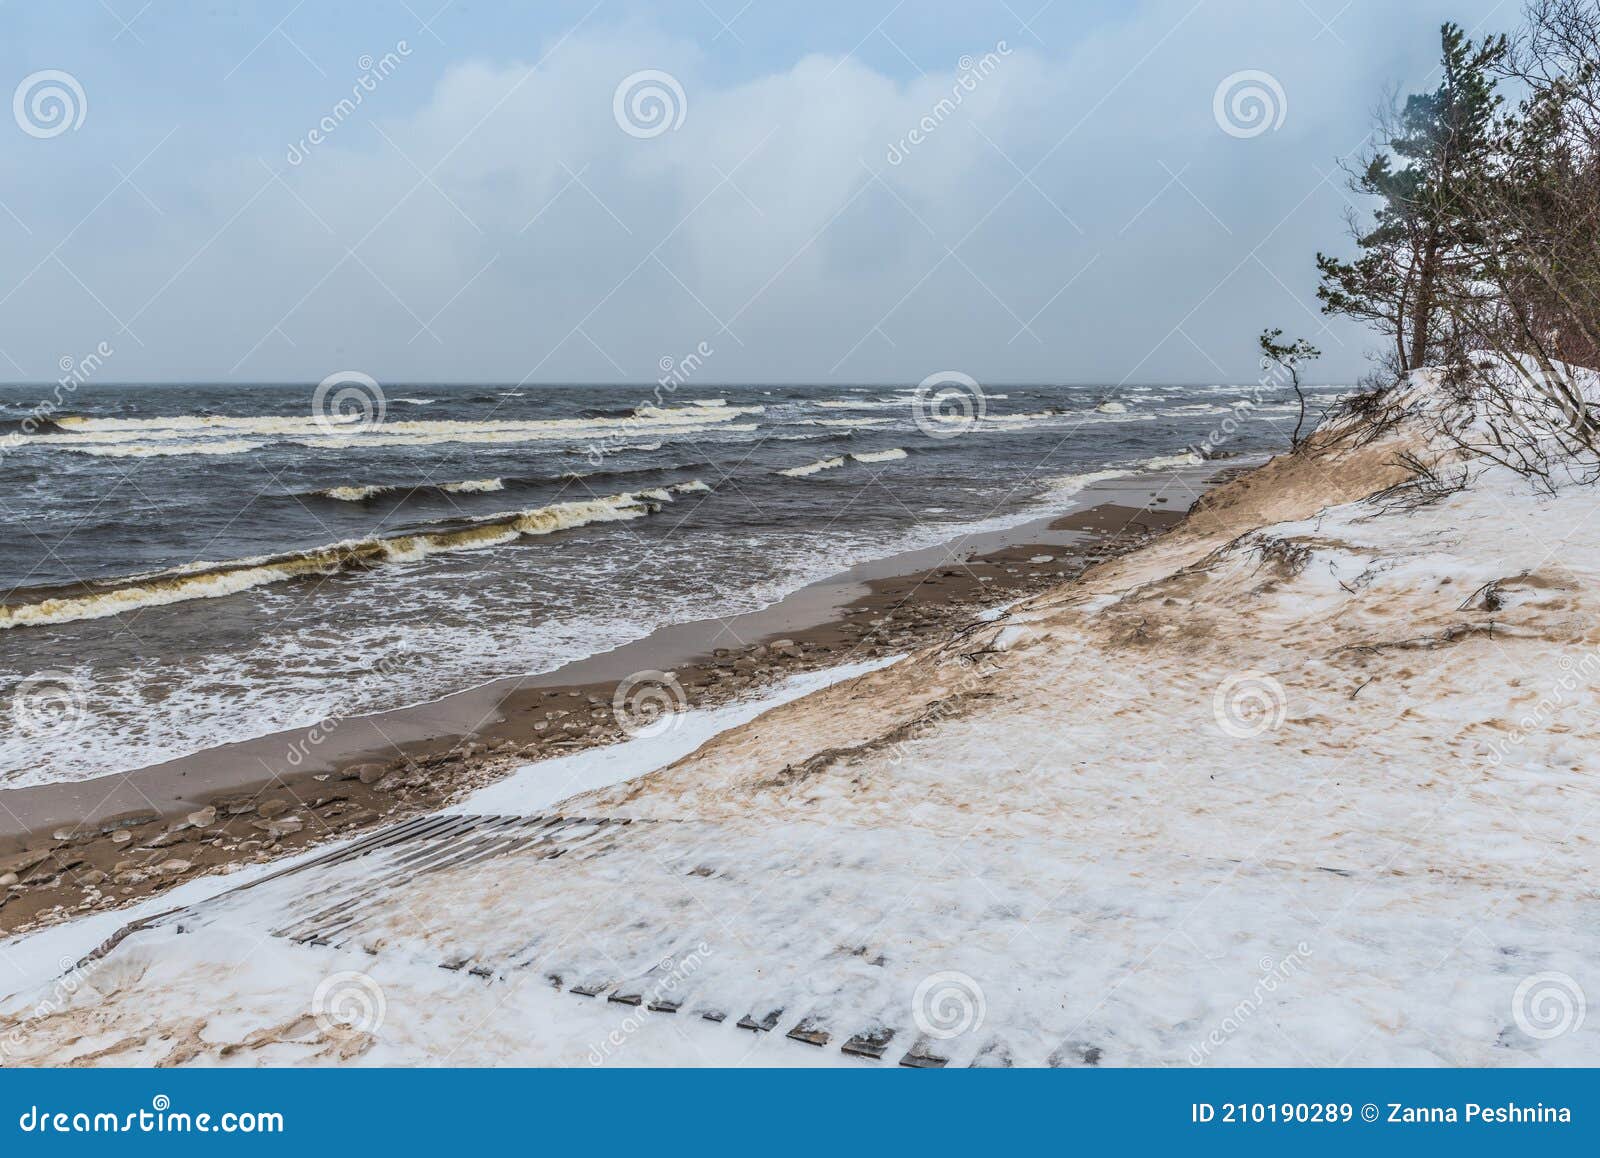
x: 880, y: 455
x: 353, y: 494
x: 160, y: 449
x: 811, y: 468
x: 360, y: 494
x: 213, y: 580
x: 226, y: 434
x: 28, y: 424
x: 474, y: 486
x: 1161, y: 462
x: 823, y: 464
x: 1070, y: 484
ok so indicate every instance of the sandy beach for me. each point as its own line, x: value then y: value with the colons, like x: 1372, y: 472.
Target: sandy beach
x: 1208, y: 752
x: 105, y: 843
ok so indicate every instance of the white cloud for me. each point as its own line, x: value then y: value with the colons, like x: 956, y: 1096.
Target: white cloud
x: 544, y: 240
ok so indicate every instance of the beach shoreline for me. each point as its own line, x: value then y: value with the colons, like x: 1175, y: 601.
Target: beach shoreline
x: 107, y: 842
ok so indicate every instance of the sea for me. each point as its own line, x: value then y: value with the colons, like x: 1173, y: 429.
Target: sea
x: 183, y: 566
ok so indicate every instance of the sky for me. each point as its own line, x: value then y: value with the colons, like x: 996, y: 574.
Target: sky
x: 1018, y: 190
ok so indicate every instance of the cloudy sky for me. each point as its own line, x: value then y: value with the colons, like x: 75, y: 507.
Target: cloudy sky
x: 1021, y: 190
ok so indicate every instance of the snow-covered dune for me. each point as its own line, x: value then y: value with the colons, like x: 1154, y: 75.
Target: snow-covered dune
x: 1309, y: 780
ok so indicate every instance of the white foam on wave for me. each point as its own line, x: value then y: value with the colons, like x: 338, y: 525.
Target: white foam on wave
x: 229, y: 434
x: 353, y: 494
x: 845, y: 422
x: 1032, y: 416
x: 1067, y: 485
x: 214, y: 580
x: 160, y: 449
x: 360, y: 494
x: 880, y: 455
x: 1166, y: 461
x: 812, y: 468
x: 1111, y: 408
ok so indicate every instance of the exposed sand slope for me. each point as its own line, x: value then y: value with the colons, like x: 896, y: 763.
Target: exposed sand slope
x: 1310, y: 780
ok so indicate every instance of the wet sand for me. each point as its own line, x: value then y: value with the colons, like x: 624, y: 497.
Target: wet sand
x: 110, y: 841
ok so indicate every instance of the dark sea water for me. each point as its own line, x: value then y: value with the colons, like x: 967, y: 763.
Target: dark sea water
x: 181, y: 566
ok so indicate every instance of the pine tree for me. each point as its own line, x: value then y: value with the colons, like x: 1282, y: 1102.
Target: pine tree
x: 1430, y: 147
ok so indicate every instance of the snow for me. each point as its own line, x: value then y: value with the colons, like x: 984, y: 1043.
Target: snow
x: 1283, y: 787
x: 536, y: 787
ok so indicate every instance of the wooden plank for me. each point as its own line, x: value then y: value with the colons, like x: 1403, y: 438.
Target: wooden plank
x: 810, y: 1031
x: 921, y: 1057
x: 871, y: 1043
x: 764, y: 1025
